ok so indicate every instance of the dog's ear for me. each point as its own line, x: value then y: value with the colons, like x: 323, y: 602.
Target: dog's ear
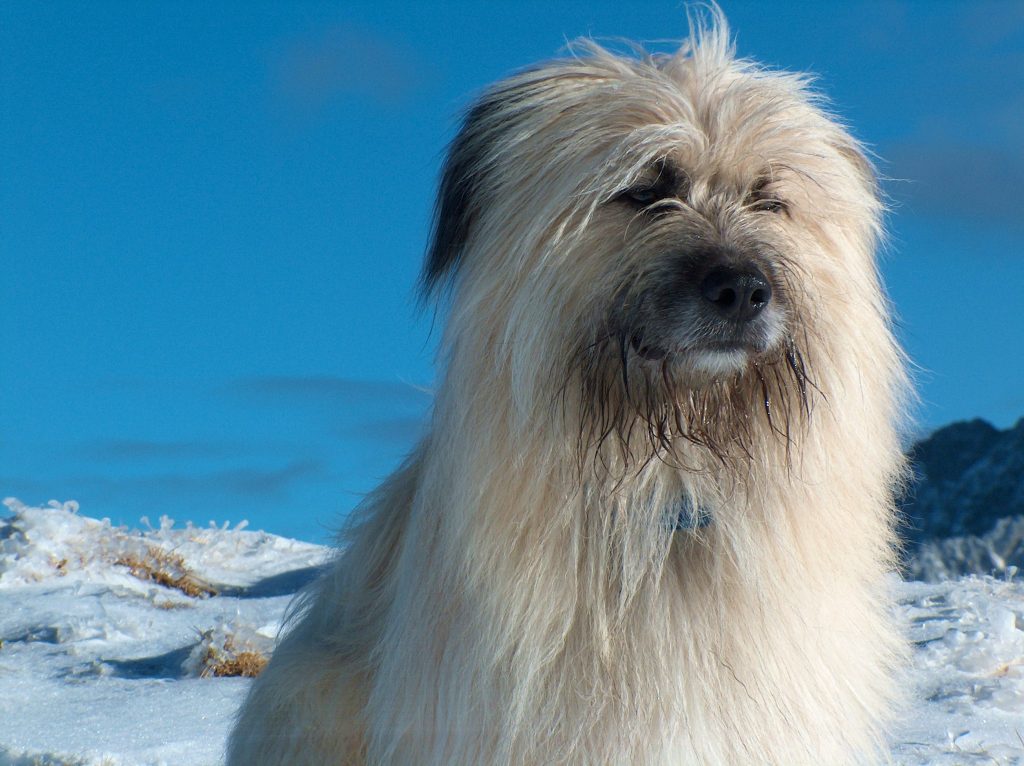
x: 851, y: 151
x: 458, y: 197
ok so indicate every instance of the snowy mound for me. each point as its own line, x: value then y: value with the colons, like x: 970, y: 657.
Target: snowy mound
x: 967, y: 676
x: 1000, y: 551
x: 124, y: 647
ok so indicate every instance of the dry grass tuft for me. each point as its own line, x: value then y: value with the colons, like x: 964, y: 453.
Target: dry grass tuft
x: 248, y: 664
x: 167, y: 569
x: 228, y: 660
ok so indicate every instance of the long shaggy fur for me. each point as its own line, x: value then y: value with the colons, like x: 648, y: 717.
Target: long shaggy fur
x: 518, y: 592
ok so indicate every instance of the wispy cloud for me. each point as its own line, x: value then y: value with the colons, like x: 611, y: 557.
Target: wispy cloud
x: 344, y: 59
x: 141, y: 449
x: 992, y: 24
x: 955, y: 119
x: 982, y: 183
x: 252, y: 481
x: 325, y: 390
x: 250, y: 484
x: 397, y: 430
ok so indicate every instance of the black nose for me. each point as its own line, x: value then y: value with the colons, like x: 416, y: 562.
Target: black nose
x: 737, y: 294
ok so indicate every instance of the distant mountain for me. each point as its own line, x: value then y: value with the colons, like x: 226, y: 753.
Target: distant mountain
x: 967, y: 477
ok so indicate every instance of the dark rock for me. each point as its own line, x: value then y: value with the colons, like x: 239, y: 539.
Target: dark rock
x: 967, y: 476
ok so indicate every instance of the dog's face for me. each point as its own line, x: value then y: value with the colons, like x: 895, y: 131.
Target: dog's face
x: 705, y: 285
x: 675, y: 233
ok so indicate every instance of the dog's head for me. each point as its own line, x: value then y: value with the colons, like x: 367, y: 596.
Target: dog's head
x: 681, y: 234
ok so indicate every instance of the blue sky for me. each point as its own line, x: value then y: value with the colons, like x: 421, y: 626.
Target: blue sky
x: 212, y: 216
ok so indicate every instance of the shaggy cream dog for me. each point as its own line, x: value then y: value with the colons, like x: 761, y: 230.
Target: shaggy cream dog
x: 652, y: 518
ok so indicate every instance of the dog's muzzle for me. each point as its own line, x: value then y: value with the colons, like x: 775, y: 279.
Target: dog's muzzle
x: 715, y: 309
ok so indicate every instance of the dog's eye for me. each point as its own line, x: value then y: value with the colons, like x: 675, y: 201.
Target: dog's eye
x: 761, y: 199
x: 661, y: 182
x: 770, y: 205
x: 646, y: 195
x: 642, y: 196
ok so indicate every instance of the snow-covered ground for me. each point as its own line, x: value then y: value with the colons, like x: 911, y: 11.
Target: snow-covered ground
x: 101, y: 664
x: 119, y: 647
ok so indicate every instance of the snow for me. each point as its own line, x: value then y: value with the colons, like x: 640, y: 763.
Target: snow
x: 1000, y: 550
x: 99, y: 666
x: 100, y: 663
x: 967, y: 677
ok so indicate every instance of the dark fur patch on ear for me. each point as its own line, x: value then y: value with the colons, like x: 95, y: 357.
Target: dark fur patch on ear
x: 472, y: 159
x: 458, y: 197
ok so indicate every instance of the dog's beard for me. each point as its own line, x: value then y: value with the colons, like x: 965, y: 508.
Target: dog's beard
x: 637, y: 405
x: 701, y: 350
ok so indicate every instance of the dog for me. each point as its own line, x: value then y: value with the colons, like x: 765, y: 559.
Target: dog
x: 652, y: 519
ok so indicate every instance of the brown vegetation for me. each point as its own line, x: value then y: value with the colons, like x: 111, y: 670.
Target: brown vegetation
x: 167, y: 569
